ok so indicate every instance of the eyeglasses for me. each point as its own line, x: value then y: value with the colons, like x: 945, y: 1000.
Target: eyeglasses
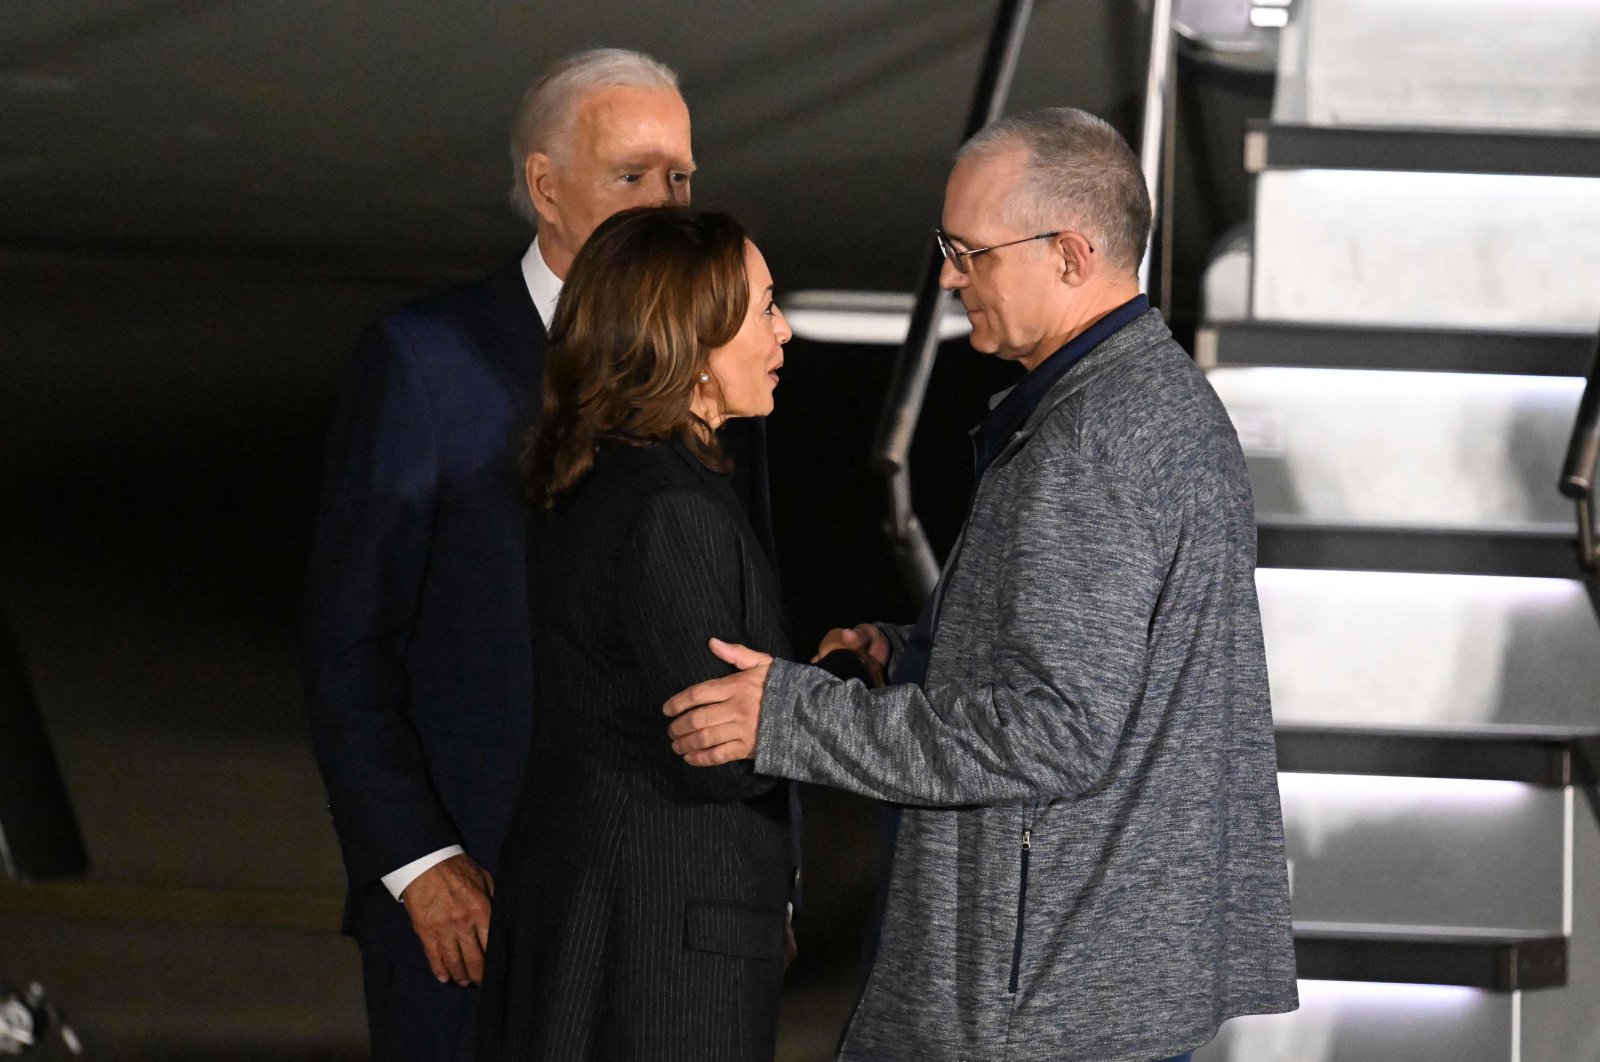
x: 958, y: 258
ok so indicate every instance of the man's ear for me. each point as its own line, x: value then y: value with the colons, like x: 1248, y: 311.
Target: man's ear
x: 538, y: 171
x: 1077, y: 258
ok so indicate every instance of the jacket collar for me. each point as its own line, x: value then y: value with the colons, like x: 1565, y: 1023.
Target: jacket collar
x: 503, y: 321
x: 1140, y: 334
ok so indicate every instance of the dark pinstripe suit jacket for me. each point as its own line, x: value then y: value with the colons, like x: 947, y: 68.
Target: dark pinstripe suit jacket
x: 640, y: 908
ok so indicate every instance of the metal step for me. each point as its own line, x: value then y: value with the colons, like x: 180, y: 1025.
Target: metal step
x: 1542, y: 756
x: 1404, y: 449
x: 1528, y: 65
x: 1444, y: 250
x: 1356, y: 1021
x: 1494, y: 960
x: 1528, y: 552
x: 879, y: 318
x: 1440, y: 852
x: 1283, y: 146
x: 1318, y: 346
x: 1432, y: 652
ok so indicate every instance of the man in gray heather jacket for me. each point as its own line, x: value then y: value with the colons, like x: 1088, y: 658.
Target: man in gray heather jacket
x: 1089, y: 862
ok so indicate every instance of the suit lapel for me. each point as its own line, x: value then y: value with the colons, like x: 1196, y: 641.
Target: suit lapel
x: 506, y: 326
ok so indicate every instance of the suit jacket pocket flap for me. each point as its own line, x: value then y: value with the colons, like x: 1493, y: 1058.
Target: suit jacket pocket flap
x: 749, y: 932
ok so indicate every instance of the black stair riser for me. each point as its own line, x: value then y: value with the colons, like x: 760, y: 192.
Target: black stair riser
x: 1520, y: 553
x: 1498, y: 966
x: 1335, y: 346
x: 1551, y: 762
x: 1271, y: 146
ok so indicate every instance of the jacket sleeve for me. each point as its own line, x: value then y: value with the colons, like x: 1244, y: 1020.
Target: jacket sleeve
x: 1079, y: 587
x: 689, y: 583
x: 364, y: 588
x: 896, y: 634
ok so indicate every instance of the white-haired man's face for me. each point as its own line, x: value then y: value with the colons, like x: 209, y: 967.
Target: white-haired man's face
x: 628, y: 147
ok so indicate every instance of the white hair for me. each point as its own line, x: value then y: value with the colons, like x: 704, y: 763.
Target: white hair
x: 550, y: 106
x: 1079, y: 174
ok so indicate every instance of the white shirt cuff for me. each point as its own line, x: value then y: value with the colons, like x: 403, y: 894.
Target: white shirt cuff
x: 397, y: 880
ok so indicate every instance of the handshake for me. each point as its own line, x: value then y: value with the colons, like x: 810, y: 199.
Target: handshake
x: 861, y: 652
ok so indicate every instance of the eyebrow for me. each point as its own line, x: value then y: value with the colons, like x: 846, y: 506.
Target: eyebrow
x: 645, y: 162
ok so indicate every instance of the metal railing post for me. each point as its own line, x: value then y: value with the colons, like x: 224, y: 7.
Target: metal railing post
x: 908, y: 387
x: 1153, y: 134
x: 1578, y: 473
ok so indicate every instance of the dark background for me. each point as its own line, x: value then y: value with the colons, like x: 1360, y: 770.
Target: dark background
x: 202, y: 201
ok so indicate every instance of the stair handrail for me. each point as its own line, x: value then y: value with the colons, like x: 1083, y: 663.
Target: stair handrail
x: 1579, y: 470
x: 908, y: 387
x: 1155, y: 151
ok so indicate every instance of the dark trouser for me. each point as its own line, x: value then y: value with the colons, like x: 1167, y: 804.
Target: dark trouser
x: 413, y: 1018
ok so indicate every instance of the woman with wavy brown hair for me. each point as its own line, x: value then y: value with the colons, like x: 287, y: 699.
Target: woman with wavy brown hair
x: 640, y: 911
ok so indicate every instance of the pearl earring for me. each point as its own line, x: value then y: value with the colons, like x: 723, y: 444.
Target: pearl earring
x: 705, y: 377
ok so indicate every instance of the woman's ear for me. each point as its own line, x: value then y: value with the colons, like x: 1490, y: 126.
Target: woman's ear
x: 703, y: 399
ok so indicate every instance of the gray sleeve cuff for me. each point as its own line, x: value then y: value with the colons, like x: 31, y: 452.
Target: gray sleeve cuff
x: 897, y: 634
x: 778, y: 733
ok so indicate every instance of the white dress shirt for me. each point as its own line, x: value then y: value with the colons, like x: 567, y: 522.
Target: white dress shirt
x: 544, y: 287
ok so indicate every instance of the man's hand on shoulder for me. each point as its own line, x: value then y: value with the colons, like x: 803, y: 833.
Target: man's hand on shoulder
x: 449, y: 908
x: 716, y: 721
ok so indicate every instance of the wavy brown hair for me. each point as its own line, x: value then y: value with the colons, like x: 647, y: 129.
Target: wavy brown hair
x: 650, y: 295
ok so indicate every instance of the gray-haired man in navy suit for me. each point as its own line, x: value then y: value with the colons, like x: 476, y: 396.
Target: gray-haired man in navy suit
x: 416, y: 635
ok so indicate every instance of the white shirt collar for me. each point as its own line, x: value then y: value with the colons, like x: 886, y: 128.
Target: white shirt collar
x: 543, y: 286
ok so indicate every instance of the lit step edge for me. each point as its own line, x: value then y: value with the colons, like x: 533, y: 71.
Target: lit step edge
x: 1497, y: 960
x: 1553, y: 757
x: 870, y: 317
x: 1532, y: 552
x: 1334, y: 346
x: 1283, y: 146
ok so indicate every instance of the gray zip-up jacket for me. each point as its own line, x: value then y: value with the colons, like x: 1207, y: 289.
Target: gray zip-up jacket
x: 1092, y: 866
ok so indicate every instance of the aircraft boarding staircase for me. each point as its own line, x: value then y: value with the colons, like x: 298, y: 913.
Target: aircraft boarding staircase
x: 1401, y: 341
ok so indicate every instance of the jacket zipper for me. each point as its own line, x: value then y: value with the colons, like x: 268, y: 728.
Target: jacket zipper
x: 1022, y: 903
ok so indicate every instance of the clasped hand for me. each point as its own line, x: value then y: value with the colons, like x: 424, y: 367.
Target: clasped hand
x: 449, y: 905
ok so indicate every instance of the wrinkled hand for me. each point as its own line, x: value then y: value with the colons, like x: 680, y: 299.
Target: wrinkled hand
x: 866, y: 641
x: 715, y: 721
x: 449, y: 909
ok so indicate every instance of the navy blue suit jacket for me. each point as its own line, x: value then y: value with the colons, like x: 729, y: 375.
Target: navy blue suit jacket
x: 418, y: 678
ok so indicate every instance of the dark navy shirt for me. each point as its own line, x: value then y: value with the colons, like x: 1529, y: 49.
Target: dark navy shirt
x: 990, y: 437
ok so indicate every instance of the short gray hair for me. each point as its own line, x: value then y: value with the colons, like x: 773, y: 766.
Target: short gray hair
x: 550, y: 106
x: 1079, y: 174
